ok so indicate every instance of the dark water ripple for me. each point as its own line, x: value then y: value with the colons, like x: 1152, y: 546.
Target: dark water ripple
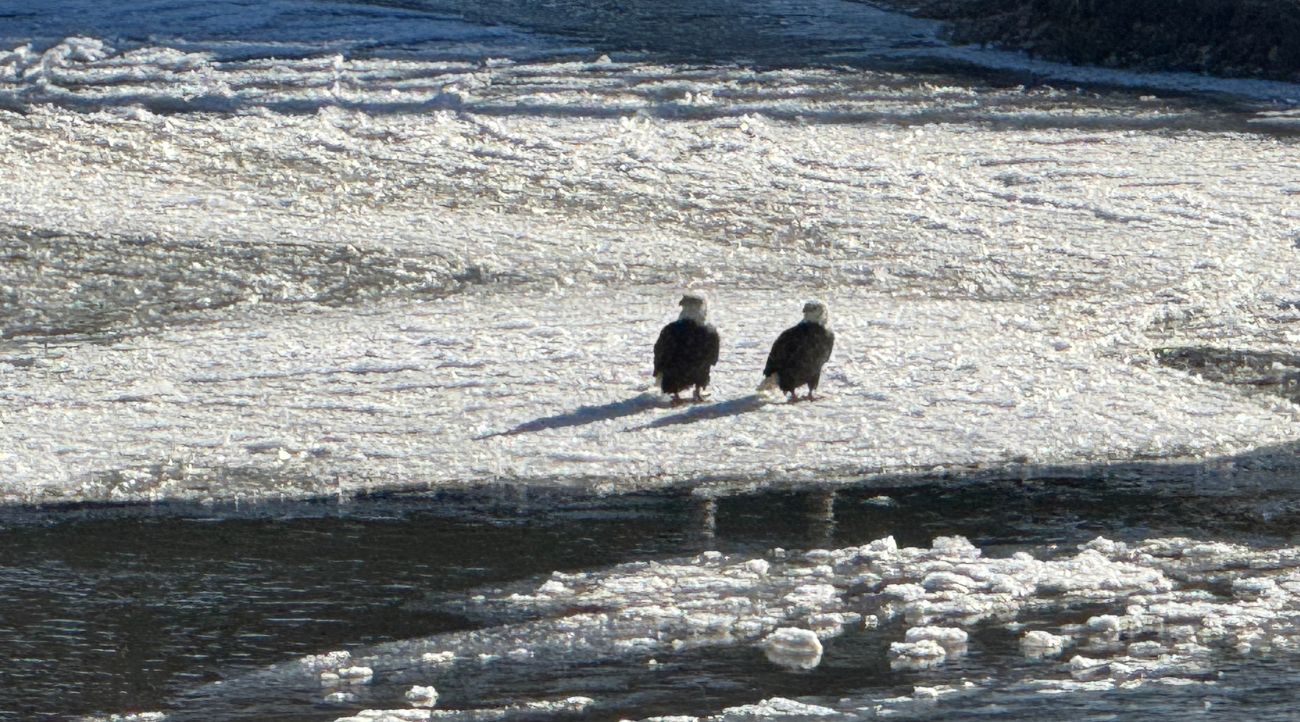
x: 134, y: 608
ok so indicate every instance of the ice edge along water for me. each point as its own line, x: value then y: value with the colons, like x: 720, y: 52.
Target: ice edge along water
x: 999, y: 262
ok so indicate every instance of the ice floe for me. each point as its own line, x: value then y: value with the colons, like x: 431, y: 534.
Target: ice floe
x: 983, y: 323
x: 374, y: 253
x: 332, y: 270
x: 1038, y: 644
x: 986, y: 317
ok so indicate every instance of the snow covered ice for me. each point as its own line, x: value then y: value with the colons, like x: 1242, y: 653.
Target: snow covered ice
x: 1000, y: 280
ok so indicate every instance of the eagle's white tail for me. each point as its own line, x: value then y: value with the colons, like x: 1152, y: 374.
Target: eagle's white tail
x: 769, y: 383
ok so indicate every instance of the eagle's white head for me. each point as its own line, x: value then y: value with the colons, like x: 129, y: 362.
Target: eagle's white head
x: 815, y: 312
x: 695, y: 306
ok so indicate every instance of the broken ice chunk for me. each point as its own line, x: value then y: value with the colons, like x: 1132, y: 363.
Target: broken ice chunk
x: 553, y: 588
x: 422, y: 696
x: 778, y: 707
x: 1040, y: 645
x: 793, y: 648
x: 952, y: 640
x: 1087, y: 669
x: 438, y: 658
x: 924, y: 654
x: 356, y: 675
x: 329, y: 660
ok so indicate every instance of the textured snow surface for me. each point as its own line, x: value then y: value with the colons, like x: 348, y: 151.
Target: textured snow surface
x: 405, y: 271
x: 995, y: 297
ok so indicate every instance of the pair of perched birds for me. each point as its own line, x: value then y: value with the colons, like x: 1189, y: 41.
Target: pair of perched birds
x: 688, y: 348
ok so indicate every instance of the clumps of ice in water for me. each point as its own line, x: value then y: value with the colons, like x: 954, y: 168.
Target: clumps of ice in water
x: 925, y: 647
x: 777, y: 707
x: 774, y: 707
x: 924, y: 654
x: 388, y: 715
x: 347, y: 675
x: 1172, y: 633
x: 789, y: 604
x: 1159, y: 619
x: 1127, y: 671
x: 931, y: 694
x: 531, y: 710
x: 1040, y: 645
x: 329, y: 661
x: 136, y: 717
x: 793, y: 648
x: 952, y: 640
x: 758, y: 566
x: 422, y: 696
x: 553, y: 588
x: 438, y: 659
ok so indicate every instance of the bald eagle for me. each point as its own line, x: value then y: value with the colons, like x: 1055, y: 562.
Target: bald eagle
x: 686, y: 349
x: 799, y: 353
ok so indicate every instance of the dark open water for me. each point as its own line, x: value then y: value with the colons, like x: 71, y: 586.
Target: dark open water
x: 118, y: 609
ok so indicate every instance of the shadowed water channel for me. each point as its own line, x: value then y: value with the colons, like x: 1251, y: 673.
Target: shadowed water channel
x: 113, y: 610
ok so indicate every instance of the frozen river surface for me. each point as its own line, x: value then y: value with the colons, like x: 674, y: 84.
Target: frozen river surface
x: 258, y: 252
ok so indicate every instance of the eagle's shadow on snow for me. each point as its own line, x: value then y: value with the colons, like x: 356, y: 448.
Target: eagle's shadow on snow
x: 584, y: 415
x: 640, y: 403
x: 706, y: 412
